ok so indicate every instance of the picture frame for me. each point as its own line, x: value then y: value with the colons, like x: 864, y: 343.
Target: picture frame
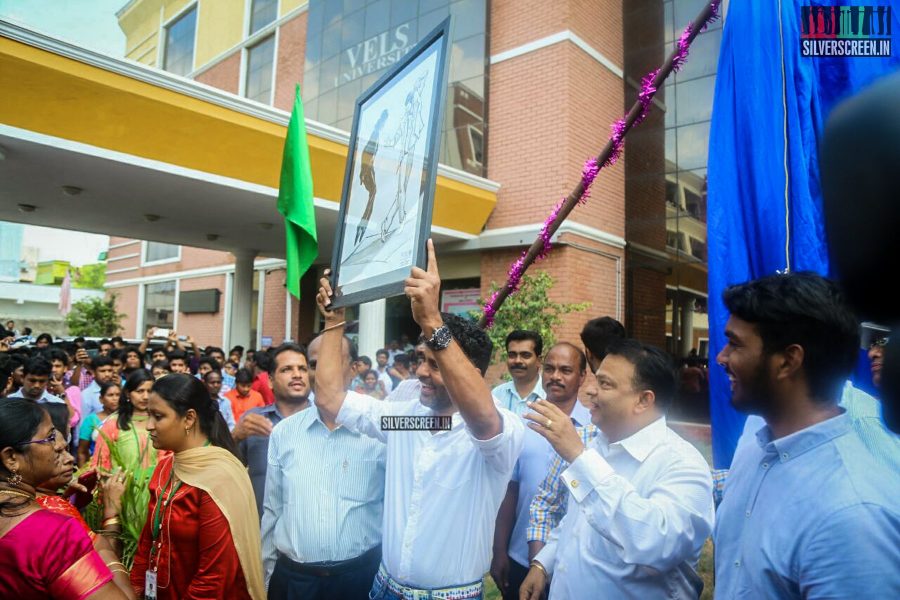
x: 384, y: 219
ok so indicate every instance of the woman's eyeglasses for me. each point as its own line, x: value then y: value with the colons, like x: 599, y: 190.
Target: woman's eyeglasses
x: 53, y: 438
x: 879, y: 343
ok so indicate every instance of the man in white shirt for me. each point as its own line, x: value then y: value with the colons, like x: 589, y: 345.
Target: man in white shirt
x: 562, y: 374
x: 444, y: 485
x: 36, y: 376
x: 523, y: 360
x: 640, y: 497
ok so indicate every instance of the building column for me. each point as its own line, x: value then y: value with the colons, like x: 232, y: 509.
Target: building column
x: 241, y: 298
x: 687, y: 325
x: 371, y: 327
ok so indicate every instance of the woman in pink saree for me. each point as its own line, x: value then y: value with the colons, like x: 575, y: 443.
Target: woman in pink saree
x: 44, y: 554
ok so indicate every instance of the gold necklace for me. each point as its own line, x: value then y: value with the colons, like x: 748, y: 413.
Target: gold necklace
x: 15, y: 493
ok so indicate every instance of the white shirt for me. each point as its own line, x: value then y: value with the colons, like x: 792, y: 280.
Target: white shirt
x: 531, y: 469
x: 506, y: 396
x: 324, y: 492
x: 46, y: 397
x: 406, y: 390
x: 442, y: 492
x: 639, y: 513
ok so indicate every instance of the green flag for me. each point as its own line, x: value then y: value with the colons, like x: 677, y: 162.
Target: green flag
x: 295, y: 200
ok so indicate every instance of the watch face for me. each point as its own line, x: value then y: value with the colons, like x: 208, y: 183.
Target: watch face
x: 440, y: 339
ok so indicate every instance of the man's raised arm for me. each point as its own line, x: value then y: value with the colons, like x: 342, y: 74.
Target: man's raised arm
x: 330, y: 386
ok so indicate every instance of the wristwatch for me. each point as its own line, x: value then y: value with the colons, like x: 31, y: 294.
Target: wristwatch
x: 440, y: 339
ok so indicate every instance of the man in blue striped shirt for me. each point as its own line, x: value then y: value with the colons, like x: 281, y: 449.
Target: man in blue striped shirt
x: 321, y: 526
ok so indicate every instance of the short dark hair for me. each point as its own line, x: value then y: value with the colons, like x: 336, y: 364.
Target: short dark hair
x: 101, y: 361
x: 104, y: 341
x: 473, y: 340
x: 52, y: 354
x: 382, y: 351
x: 365, y: 360
x: 402, y: 359
x: 117, y: 354
x: 806, y: 309
x: 243, y: 376
x: 44, y: 336
x: 212, y: 349
x: 654, y: 369
x: 597, y: 334
x: 39, y: 366
x: 176, y: 355
x: 523, y: 335
x: 161, y: 364
x: 208, y: 360
x: 238, y: 349
x: 117, y: 338
x: 285, y: 347
x: 263, y: 360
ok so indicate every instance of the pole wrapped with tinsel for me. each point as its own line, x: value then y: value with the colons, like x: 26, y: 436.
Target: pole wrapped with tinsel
x: 607, y: 157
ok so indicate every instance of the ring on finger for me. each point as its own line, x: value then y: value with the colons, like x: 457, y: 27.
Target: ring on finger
x: 549, y: 423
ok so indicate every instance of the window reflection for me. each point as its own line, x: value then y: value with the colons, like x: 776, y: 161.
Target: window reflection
x: 179, y: 51
x: 354, y: 42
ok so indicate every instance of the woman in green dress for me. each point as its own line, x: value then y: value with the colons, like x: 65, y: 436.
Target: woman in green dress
x: 127, y: 429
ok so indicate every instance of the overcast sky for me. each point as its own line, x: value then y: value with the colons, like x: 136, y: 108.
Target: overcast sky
x: 91, y: 24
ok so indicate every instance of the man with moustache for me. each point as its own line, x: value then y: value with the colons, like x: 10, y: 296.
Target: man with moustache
x: 808, y: 511
x: 321, y: 526
x: 563, y: 374
x: 444, y: 486
x: 523, y: 359
x: 290, y: 385
x: 640, y: 505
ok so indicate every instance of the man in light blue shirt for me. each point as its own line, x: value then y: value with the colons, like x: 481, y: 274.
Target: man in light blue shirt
x: 563, y: 373
x: 103, y: 371
x: 213, y: 381
x: 807, y: 511
x: 324, y: 498
x: 35, y: 377
x: 523, y: 359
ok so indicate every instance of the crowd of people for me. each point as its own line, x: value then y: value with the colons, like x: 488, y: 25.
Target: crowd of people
x: 312, y: 472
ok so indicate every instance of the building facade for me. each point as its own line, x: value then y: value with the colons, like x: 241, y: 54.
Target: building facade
x: 533, y: 88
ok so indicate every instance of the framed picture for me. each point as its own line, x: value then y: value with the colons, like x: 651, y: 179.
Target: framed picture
x: 388, y: 195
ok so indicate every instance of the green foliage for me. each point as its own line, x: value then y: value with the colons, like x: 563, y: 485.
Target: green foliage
x: 90, y: 276
x: 94, y: 317
x: 530, y: 308
x: 135, y: 498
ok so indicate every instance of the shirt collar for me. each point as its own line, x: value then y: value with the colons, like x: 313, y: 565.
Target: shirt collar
x: 800, y: 442
x: 641, y: 443
x: 537, y: 391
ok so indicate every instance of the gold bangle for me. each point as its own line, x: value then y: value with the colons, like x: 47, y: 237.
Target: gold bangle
x: 123, y: 571
x: 114, y: 563
x: 335, y: 326
x: 111, y: 521
x: 535, y: 563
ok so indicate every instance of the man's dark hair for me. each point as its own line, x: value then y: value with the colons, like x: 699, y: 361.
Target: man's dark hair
x: 52, y: 354
x: 211, y: 349
x: 806, y: 309
x: 475, y: 343
x: 243, y: 376
x: 101, y: 361
x: 44, y: 336
x: 208, y: 360
x: 78, y: 340
x: 597, y: 334
x: 285, y: 347
x: 104, y: 341
x: 176, y: 355
x: 353, y: 349
x: 523, y: 335
x: 39, y: 366
x: 117, y: 338
x: 117, y: 354
x: 263, y: 360
x: 382, y: 351
x: 402, y: 359
x: 653, y: 369
x: 365, y: 360
x: 238, y: 349
x: 160, y: 364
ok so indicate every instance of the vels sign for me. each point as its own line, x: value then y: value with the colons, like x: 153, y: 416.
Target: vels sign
x: 374, y: 54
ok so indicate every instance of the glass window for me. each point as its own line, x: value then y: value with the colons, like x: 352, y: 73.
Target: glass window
x: 693, y: 142
x: 179, y: 49
x: 259, y: 71
x: 704, y: 56
x: 159, y: 304
x: 468, y: 16
x: 377, y: 17
x: 694, y: 100
x: 158, y: 251
x: 262, y: 12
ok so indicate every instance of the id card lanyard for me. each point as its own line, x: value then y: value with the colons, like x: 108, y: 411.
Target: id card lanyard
x: 155, y: 529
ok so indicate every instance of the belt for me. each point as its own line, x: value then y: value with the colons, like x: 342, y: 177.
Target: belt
x: 330, y: 569
x: 383, y: 580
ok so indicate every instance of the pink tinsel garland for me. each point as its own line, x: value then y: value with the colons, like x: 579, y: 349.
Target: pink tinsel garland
x: 649, y: 87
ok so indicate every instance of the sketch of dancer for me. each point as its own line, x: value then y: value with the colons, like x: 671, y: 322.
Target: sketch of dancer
x: 367, y: 176
x: 405, y: 139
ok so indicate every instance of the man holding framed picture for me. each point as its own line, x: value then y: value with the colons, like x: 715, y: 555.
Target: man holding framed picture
x: 448, y: 460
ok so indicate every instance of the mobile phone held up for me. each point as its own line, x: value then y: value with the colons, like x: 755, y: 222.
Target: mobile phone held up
x: 89, y: 480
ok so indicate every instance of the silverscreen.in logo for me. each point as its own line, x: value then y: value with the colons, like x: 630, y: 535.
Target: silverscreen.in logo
x: 432, y: 423
x: 845, y: 30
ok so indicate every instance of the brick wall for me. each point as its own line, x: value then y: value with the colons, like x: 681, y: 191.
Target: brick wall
x: 225, y: 75
x: 205, y: 328
x: 126, y: 303
x: 290, y: 61
x: 274, y: 306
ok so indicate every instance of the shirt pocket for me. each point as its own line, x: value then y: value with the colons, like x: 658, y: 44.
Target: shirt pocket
x: 362, y: 479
